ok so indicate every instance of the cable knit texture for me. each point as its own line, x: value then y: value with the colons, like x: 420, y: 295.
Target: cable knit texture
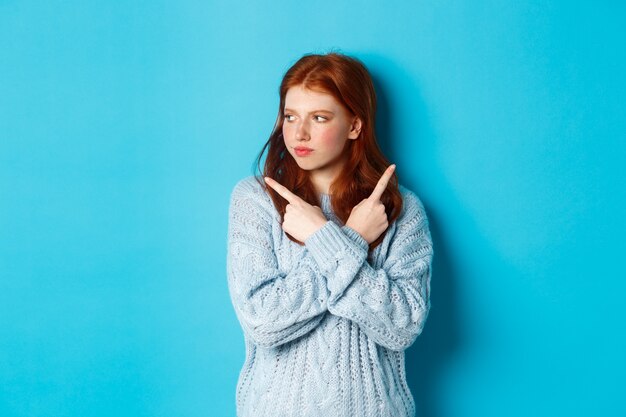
x: 325, y: 324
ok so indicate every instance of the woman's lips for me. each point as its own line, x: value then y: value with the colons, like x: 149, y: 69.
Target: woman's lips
x: 303, y: 151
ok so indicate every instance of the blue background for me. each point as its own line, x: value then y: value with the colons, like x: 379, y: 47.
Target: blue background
x: 124, y: 126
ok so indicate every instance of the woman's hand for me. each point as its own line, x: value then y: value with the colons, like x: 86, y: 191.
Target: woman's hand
x: 301, y: 219
x: 369, y: 218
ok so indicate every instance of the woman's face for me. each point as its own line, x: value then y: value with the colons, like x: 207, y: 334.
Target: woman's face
x: 316, y: 129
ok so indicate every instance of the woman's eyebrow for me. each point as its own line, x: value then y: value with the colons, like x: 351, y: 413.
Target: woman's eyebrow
x: 312, y: 111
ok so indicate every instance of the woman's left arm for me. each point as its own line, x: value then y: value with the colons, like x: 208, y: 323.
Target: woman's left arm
x: 390, y: 303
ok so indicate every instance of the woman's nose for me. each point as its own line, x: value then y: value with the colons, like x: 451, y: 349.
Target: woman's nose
x: 302, y: 132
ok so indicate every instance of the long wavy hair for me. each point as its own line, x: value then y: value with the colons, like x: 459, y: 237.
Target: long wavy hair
x: 349, y: 82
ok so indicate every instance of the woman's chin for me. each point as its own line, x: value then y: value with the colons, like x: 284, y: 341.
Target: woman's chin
x: 304, y: 167
x: 304, y: 164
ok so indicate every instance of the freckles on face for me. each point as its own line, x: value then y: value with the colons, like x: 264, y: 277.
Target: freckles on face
x: 316, y: 120
x: 330, y: 136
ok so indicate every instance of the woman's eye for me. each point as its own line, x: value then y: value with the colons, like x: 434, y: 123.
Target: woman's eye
x: 320, y: 118
x: 288, y: 117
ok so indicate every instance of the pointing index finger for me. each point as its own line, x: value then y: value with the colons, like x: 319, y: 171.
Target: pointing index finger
x: 282, y: 190
x: 381, y: 186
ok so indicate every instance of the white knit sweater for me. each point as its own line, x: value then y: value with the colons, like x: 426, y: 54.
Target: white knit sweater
x: 325, y: 324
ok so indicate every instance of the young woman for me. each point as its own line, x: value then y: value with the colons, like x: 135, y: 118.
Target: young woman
x: 329, y: 257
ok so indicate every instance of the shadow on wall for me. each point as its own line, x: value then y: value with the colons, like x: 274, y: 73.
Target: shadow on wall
x: 442, y: 338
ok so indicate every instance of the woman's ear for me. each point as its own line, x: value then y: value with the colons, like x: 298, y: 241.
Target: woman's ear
x: 355, y: 128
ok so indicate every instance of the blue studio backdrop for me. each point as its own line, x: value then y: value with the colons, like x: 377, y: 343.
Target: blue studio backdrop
x: 125, y: 125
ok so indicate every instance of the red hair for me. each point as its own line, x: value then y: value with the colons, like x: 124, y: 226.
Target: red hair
x: 348, y: 81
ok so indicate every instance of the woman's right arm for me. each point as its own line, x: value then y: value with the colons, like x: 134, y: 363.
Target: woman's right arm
x: 273, y: 307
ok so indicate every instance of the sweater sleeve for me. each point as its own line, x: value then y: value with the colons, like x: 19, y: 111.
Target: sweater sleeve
x: 273, y: 306
x: 390, y: 303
